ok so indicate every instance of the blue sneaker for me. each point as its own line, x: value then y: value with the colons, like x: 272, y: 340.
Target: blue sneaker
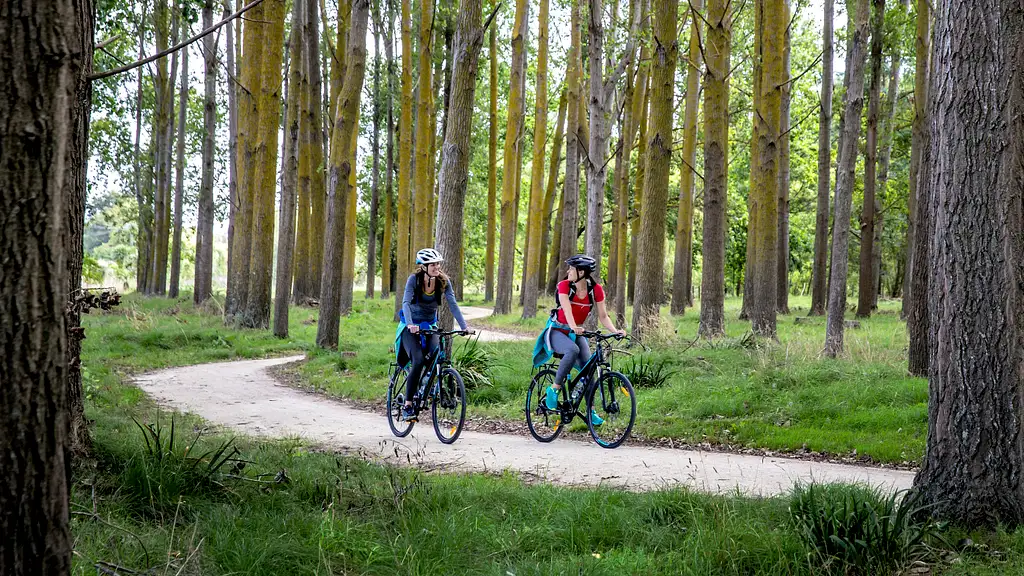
x: 551, y: 398
x: 409, y: 413
x: 595, y: 419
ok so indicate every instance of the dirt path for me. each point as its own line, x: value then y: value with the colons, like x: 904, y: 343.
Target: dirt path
x: 243, y: 396
x: 470, y: 313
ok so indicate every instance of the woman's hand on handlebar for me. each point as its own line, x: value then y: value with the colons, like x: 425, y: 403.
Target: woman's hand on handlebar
x: 413, y: 329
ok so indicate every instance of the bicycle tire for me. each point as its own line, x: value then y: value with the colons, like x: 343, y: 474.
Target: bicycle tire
x: 451, y: 395
x: 543, y: 429
x: 613, y: 388
x: 395, y: 401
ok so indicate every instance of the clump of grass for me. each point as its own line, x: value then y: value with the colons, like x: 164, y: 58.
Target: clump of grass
x: 474, y: 363
x: 856, y: 529
x: 648, y: 372
x: 170, y: 469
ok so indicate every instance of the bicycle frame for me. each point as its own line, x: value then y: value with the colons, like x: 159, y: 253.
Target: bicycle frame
x: 592, y: 365
x: 434, y: 362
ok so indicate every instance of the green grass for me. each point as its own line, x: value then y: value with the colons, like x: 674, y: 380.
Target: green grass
x: 338, y: 515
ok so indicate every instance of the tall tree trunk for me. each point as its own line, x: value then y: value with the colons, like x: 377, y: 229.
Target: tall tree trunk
x: 299, y: 273
x: 248, y: 123
x: 757, y: 103
x: 179, y: 176
x: 158, y: 140
x: 164, y: 239
x: 682, y: 272
x: 820, y: 268
x: 405, y: 263
x: 318, y: 182
x: 289, y: 173
x: 386, y: 260
x: 455, y: 152
x: 638, y: 197
x: 854, y: 104
x: 345, y: 127
x: 540, y: 128
x: 371, y: 236
x: 203, y: 288
x: 492, y: 166
x: 231, y: 79
x: 348, y: 270
x: 974, y: 457
x: 422, y: 185
x: 47, y: 56
x: 866, y: 289
x: 716, y: 150
x: 143, y: 194
x: 651, y: 254
x: 513, y: 143
x: 549, y: 195
x: 782, y: 252
x: 919, y: 143
x: 765, y: 195
x: 568, y: 243
x: 257, y: 310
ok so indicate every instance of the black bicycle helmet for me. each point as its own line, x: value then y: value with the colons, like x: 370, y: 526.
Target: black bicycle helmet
x: 582, y: 262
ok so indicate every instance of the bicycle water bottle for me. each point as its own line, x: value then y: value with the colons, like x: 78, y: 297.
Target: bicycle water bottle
x: 423, y: 384
x: 577, y: 392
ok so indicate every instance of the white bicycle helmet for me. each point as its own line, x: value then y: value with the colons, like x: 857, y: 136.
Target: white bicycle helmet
x: 428, y: 256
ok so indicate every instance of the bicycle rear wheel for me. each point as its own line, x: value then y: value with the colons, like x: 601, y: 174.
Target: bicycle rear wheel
x: 449, y: 406
x: 614, y: 403
x: 395, y: 401
x: 545, y: 425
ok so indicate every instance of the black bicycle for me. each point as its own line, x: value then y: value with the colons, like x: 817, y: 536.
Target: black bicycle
x: 447, y: 393
x: 608, y: 394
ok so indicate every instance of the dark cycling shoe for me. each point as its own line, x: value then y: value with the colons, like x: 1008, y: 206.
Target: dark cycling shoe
x: 409, y: 413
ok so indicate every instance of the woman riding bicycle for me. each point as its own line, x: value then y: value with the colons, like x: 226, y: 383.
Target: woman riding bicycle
x: 423, y: 293
x: 577, y: 295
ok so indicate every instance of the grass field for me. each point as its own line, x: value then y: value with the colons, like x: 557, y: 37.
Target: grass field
x: 290, y: 510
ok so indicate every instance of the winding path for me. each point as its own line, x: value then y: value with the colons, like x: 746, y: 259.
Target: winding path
x: 243, y: 396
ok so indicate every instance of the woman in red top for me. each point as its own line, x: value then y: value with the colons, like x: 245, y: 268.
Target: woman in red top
x: 574, y: 305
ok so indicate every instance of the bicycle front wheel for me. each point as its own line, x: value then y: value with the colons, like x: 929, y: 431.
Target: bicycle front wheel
x: 612, y: 410
x: 449, y: 406
x: 395, y: 401
x: 545, y: 425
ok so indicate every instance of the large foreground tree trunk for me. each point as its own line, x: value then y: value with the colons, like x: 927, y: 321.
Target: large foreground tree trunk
x: 651, y: 255
x: 974, y: 457
x: 819, y: 272
x: 716, y: 150
x: 46, y: 57
x: 854, y: 104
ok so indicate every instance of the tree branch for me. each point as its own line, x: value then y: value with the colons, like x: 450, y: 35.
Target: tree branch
x: 172, y: 49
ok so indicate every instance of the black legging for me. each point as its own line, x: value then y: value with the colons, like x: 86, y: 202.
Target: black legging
x: 411, y: 345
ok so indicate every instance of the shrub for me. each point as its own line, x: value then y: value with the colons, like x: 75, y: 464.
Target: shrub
x: 860, y: 531
x: 474, y: 363
x: 647, y: 372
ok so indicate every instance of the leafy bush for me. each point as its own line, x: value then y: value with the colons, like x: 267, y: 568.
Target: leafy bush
x: 169, y: 470
x: 647, y: 372
x: 474, y: 363
x: 858, y: 530
x: 92, y: 270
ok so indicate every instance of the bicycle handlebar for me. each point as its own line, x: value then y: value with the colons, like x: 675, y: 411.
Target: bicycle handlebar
x: 603, y: 335
x: 444, y: 332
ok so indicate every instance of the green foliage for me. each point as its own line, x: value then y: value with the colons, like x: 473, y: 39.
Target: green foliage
x: 857, y: 529
x: 92, y: 271
x: 474, y: 363
x: 648, y: 372
x: 171, y: 469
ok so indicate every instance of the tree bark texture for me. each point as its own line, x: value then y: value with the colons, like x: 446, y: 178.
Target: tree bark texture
x: 866, y: 288
x: 782, y: 252
x: 422, y: 186
x: 248, y: 123
x: 161, y: 126
x: 341, y: 166
x: 919, y: 143
x: 540, y: 129
x: 46, y: 58
x: 318, y: 181
x: 179, y: 178
x: 371, y: 236
x: 854, y: 105
x: 143, y: 193
x: 455, y: 152
x: 257, y: 310
x: 231, y: 80
x: 819, y: 272
x: 549, y: 199
x: 386, y: 259
x: 299, y: 273
x: 568, y: 243
x: 716, y: 150
x: 404, y: 159
x: 492, y: 167
x: 651, y: 254
x: 513, y: 142
x: 203, y: 285
x: 682, y: 271
x: 289, y: 174
x: 638, y: 197
x: 974, y: 457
